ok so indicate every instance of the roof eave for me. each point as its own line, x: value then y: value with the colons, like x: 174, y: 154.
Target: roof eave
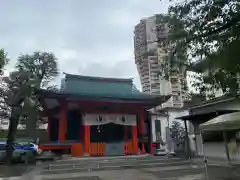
x: 149, y: 100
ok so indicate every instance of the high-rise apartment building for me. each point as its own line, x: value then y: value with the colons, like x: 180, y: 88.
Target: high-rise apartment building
x: 150, y: 59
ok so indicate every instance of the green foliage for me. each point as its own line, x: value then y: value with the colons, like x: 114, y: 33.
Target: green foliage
x: 42, y: 66
x: 206, y: 30
x: 178, y: 133
x: 15, y: 90
x: 3, y: 60
x: 18, y: 100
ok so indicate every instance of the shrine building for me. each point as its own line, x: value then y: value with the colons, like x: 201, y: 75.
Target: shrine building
x: 98, y: 116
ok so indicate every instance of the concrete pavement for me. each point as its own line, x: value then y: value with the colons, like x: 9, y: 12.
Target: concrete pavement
x: 166, y: 171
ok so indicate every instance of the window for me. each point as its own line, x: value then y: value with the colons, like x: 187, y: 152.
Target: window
x: 175, y: 98
x: 158, y: 129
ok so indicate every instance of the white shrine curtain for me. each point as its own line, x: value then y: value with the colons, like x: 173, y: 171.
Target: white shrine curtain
x: 100, y: 119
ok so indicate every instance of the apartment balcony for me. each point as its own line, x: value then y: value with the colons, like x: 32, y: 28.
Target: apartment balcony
x: 155, y: 81
x: 145, y: 74
x: 177, y: 104
x: 176, y: 87
x: 145, y: 77
x: 155, y: 66
x: 143, y: 66
x: 175, y: 76
x: 165, y: 105
x: 155, y: 92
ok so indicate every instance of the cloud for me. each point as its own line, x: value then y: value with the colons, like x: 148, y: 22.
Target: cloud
x: 88, y: 37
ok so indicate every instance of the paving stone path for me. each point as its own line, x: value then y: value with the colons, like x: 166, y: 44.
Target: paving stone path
x: 167, y: 172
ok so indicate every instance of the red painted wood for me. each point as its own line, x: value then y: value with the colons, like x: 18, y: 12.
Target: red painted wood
x: 135, y: 139
x: 150, y: 149
x: 95, y: 108
x: 107, y: 103
x: 54, y: 147
x: 141, y: 129
x: 86, y: 140
x: 62, y: 121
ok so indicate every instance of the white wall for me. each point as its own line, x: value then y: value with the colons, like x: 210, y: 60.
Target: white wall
x: 163, y: 120
x: 173, y: 113
x: 215, y: 149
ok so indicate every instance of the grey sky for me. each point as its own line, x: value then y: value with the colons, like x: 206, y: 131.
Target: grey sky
x: 89, y: 37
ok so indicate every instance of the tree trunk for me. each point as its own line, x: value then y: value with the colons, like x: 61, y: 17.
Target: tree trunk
x: 31, y: 126
x: 11, y: 134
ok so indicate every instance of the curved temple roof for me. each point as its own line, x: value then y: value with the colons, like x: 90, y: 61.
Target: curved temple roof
x: 89, y: 88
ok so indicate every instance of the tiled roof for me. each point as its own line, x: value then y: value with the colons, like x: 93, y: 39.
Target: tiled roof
x: 94, y: 78
x: 79, y: 84
x: 214, y: 101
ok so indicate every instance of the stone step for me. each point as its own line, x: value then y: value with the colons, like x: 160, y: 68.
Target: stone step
x: 105, y: 163
x: 114, y: 167
x: 111, y: 159
x: 80, y: 164
x: 133, y: 174
x: 178, y: 172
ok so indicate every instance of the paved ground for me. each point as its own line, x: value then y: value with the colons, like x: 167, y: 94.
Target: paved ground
x: 110, y: 175
x: 173, y: 173
x: 15, y: 170
x: 182, y: 172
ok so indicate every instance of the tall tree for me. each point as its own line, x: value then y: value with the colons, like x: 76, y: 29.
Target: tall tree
x: 4, y: 110
x: 206, y: 30
x: 43, y: 67
x: 3, y: 60
x: 16, y: 89
x: 17, y: 92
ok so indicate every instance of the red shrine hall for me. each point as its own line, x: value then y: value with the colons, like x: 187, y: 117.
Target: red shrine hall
x: 98, y: 116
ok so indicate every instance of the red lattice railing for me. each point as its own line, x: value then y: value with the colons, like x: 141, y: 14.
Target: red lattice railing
x: 97, y: 149
x: 128, y: 148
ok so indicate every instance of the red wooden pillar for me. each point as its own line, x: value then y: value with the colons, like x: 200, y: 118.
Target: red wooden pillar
x: 141, y: 130
x: 135, y: 139
x: 62, y: 121
x: 86, y: 138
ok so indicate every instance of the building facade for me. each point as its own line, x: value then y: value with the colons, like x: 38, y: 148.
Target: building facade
x: 98, y: 116
x: 150, y: 60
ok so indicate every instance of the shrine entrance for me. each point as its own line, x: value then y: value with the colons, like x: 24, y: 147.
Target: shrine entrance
x: 107, y: 133
x: 113, y: 131
x: 97, y: 116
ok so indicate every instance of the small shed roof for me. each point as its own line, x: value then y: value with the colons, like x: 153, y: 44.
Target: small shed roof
x: 224, y: 122
x: 216, y: 100
x: 203, y: 117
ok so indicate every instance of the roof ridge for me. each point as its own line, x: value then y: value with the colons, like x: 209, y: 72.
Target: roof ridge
x: 98, y: 78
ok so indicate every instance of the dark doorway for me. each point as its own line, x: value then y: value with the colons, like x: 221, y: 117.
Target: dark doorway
x: 73, y: 126
x: 107, y: 133
x: 54, y: 129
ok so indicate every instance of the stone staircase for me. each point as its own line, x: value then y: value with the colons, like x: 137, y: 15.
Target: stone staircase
x: 111, y: 163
